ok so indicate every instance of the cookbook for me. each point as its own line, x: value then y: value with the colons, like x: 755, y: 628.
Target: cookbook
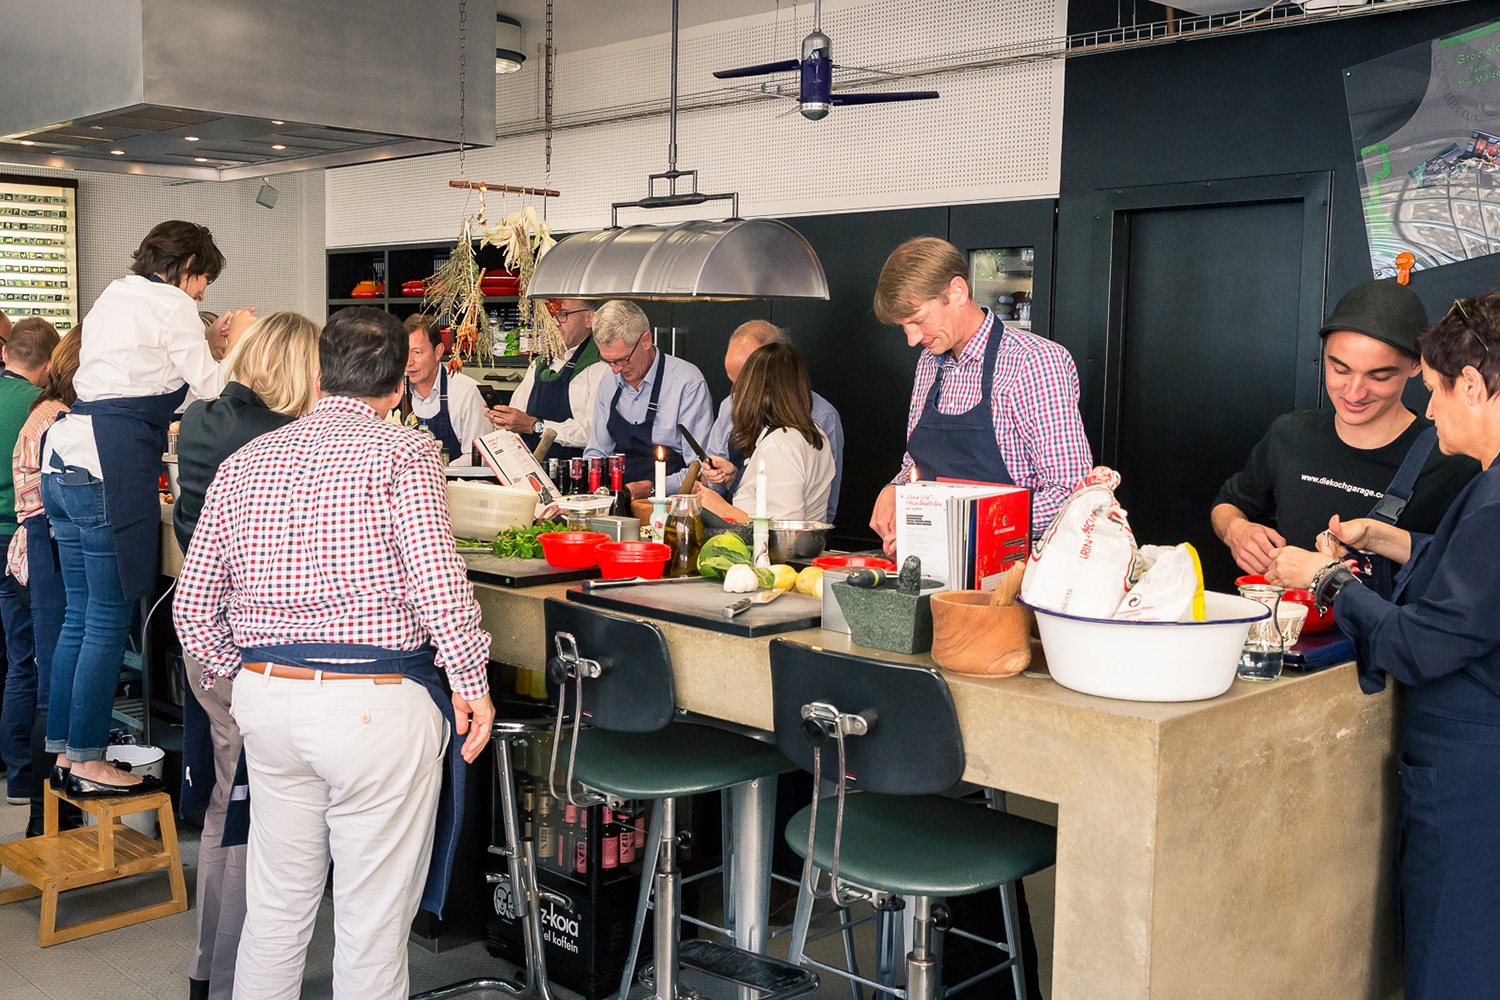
x: 508, y: 457
x: 967, y: 534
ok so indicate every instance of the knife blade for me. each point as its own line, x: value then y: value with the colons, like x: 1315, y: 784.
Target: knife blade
x: 746, y: 603
x: 636, y: 581
x: 693, y: 444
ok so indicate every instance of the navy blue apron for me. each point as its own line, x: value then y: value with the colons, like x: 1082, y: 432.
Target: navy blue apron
x: 549, y: 401
x: 1381, y: 572
x: 961, y: 445
x: 635, y: 439
x: 418, y: 665
x: 441, y: 425
x: 130, y: 434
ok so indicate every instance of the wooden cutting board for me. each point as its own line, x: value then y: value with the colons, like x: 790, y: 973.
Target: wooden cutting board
x: 701, y: 605
x: 487, y: 568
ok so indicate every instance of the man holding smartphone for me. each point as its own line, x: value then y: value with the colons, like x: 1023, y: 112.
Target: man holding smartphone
x: 560, y: 395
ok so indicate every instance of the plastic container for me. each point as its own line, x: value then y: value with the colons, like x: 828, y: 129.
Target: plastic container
x: 479, y: 510
x: 621, y: 560
x: 854, y: 562
x: 1150, y: 661
x: 572, y: 549
x: 1315, y: 622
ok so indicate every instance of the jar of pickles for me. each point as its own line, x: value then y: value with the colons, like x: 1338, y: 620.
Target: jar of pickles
x: 684, y: 534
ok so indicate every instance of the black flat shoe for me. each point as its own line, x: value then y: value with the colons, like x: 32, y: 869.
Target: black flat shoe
x: 58, y: 778
x: 84, y: 788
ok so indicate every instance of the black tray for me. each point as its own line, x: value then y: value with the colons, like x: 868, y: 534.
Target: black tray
x: 701, y: 605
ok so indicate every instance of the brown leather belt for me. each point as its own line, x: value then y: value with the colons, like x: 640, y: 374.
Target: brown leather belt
x: 308, y: 674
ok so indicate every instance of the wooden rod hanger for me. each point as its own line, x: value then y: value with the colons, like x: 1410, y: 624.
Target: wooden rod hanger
x: 506, y: 188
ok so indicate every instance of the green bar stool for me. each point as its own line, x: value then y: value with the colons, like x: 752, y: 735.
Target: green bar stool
x: 615, y: 676
x: 888, y: 734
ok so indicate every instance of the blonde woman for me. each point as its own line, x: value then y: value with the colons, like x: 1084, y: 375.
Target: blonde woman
x: 272, y: 373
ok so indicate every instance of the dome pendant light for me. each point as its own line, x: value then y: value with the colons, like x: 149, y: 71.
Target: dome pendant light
x: 508, y: 55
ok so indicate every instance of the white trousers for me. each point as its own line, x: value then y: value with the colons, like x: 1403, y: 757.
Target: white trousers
x: 348, y: 770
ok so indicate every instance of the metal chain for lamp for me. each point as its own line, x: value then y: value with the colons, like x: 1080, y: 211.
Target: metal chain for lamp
x: 463, y: 43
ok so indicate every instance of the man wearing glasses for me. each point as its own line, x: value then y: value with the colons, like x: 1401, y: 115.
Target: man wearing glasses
x: 559, y: 396
x: 1368, y: 456
x: 647, y: 395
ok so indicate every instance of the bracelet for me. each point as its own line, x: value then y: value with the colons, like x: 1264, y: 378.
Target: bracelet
x: 1328, y: 582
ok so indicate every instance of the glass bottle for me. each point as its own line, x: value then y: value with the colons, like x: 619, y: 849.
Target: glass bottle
x: 609, y: 845
x: 684, y: 534
x: 567, y: 840
x: 581, y: 843
x: 621, y: 506
x: 546, y: 832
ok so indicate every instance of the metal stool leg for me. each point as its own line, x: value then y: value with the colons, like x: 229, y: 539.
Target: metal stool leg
x: 753, y: 813
x: 643, y: 901
x: 923, y: 972
x: 800, y: 923
x: 1008, y: 912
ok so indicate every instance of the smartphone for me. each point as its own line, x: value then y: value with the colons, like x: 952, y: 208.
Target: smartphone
x: 490, y: 395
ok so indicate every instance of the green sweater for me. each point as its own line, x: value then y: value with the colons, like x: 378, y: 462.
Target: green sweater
x: 16, y: 395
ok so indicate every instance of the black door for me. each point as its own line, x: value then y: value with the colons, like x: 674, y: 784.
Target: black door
x: 1214, y: 334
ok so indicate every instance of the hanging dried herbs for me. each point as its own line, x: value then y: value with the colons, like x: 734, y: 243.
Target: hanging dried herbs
x: 525, y: 237
x: 454, y: 292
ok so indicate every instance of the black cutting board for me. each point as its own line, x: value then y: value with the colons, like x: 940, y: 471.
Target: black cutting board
x: 701, y: 605
x: 487, y: 568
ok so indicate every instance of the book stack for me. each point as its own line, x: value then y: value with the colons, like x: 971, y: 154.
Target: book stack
x: 966, y: 534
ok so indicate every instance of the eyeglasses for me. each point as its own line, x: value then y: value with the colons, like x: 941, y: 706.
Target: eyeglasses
x: 1461, y: 307
x: 622, y: 362
x: 562, y: 314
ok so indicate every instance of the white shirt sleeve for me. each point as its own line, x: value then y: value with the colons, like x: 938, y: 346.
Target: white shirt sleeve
x: 582, y: 391
x: 466, y: 411
x: 522, y: 393
x: 189, y: 352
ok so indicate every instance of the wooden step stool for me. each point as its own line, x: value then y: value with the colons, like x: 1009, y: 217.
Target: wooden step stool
x: 58, y: 861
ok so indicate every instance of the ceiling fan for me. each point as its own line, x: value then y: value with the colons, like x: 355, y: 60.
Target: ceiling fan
x: 815, y: 94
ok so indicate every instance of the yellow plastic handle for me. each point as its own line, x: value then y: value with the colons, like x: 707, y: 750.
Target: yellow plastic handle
x: 1200, y: 610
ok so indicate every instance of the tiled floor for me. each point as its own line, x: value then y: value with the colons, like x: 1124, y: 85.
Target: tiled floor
x: 149, y: 960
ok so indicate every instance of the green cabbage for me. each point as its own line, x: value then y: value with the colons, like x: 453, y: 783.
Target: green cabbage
x: 721, y: 552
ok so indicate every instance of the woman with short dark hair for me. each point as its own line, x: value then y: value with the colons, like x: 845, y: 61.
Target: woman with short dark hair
x: 772, y: 424
x: 143, y: 349
x: 1439, y: 637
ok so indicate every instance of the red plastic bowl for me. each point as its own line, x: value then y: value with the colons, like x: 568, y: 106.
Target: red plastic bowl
x: 854, y: 562
x: 1315, y: 622
x: 621, y: 560
x: 572, y: 549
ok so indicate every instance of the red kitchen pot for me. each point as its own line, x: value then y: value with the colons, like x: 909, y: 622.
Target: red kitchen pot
x: 1315, y: 622
x: 621, y: 560
x: 572, y: 549
x: 854, y: 562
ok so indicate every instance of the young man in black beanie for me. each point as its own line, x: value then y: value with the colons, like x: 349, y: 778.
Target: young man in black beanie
x: 1349, y: 459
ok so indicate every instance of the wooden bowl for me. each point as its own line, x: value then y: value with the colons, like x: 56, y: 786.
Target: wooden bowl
x: 970, y: 635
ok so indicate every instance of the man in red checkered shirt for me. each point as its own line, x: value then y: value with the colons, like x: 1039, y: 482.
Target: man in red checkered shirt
x: 990, y: 403
x: 323, y: 577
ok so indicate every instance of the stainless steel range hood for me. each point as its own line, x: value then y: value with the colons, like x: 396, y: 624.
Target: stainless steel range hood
x: 225, y: 89
x: 735, y: 259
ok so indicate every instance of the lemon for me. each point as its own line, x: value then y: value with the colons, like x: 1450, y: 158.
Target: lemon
x: 807, y: 579
x: 786, y: 577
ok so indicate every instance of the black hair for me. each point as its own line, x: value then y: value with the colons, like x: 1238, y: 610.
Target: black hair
x: 362, y: 353
x: 1467, y: 336
x: 177, y: 249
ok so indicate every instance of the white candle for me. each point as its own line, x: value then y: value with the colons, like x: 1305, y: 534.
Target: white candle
x: 760, y: 489
x: 661, y: 472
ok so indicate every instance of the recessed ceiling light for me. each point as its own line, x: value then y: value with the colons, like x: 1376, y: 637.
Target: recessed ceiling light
x: 190, y: 138
x: 277, y: 145
x: 117, y: 152
x: 200, y: 159
x: 277, y: 121
x: 27, y: 142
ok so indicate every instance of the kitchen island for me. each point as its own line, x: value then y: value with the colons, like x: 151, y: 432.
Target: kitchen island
x: 1238, y: 847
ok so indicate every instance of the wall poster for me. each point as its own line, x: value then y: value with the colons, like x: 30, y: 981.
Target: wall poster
x: 1426, y: 128
x: 39, y: 249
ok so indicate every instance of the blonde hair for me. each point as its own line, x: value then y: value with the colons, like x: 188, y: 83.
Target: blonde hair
x: 277, y: 359
x: 917, y: 271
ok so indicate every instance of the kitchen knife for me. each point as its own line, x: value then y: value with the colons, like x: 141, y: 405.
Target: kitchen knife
x: 693, y: 443
x: 744, y: 604
x: 636, y: 581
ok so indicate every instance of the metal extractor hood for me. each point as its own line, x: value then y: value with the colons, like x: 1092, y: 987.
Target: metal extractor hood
x: 225, y: 89
x: 733, y: 259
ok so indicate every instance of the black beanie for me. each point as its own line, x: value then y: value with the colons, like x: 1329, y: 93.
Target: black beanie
x: 1387, y: 311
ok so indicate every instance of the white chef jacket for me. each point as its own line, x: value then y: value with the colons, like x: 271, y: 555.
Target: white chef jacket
x: 573, y: 432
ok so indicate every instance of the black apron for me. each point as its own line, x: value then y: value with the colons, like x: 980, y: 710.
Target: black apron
x: 441, y: 425
x: 549, y: 401
x: 634, y: 440
x: 419, y: 665
x: 961, y: 445
x: 130, y: 434
x: 1381, y: 572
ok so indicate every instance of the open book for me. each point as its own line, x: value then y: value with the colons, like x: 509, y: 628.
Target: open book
x: 509, y: 458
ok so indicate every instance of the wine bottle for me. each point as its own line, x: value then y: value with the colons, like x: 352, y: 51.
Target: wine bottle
x: 621, y: 506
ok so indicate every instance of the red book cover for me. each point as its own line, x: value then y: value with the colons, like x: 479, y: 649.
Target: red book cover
x: 999, y: 532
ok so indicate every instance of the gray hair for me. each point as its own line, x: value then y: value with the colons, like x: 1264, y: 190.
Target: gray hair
x: 761, y: 331
x: 619, y: 322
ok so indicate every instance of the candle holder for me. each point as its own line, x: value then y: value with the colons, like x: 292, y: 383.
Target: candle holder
x: 658, y: 519
x: 761, y: 546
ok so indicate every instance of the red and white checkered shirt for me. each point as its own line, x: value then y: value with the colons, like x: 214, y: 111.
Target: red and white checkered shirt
x: 1034, y: 406
x: 333, y: 528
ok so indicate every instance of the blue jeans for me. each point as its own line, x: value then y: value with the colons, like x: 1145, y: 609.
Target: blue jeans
x: 19, y: 709
x: 91, y: 647
x: 48, y: 599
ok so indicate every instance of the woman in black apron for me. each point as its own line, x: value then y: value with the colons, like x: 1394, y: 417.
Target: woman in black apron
x: 100, y: 483
x: 1439, y: 636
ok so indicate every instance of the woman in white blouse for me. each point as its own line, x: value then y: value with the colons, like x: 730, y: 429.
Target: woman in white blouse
x: 773, y: 426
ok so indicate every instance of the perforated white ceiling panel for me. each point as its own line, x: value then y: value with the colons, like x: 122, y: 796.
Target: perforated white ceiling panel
x: 994, y: 135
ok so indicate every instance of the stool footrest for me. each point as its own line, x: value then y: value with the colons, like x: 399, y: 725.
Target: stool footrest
x: 768, y: 977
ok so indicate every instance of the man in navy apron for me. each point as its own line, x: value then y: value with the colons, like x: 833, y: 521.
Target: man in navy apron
x: 990, y: 403
x: 346, y: 619
x: 447, y: 406
x: 648, y: 394
x: 559, y: 396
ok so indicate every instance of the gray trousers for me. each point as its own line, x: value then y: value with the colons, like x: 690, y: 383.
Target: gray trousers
x: 221, y: 870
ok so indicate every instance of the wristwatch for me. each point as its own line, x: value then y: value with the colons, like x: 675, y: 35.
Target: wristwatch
x: 538, y: 427
x: 1328, y: 582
